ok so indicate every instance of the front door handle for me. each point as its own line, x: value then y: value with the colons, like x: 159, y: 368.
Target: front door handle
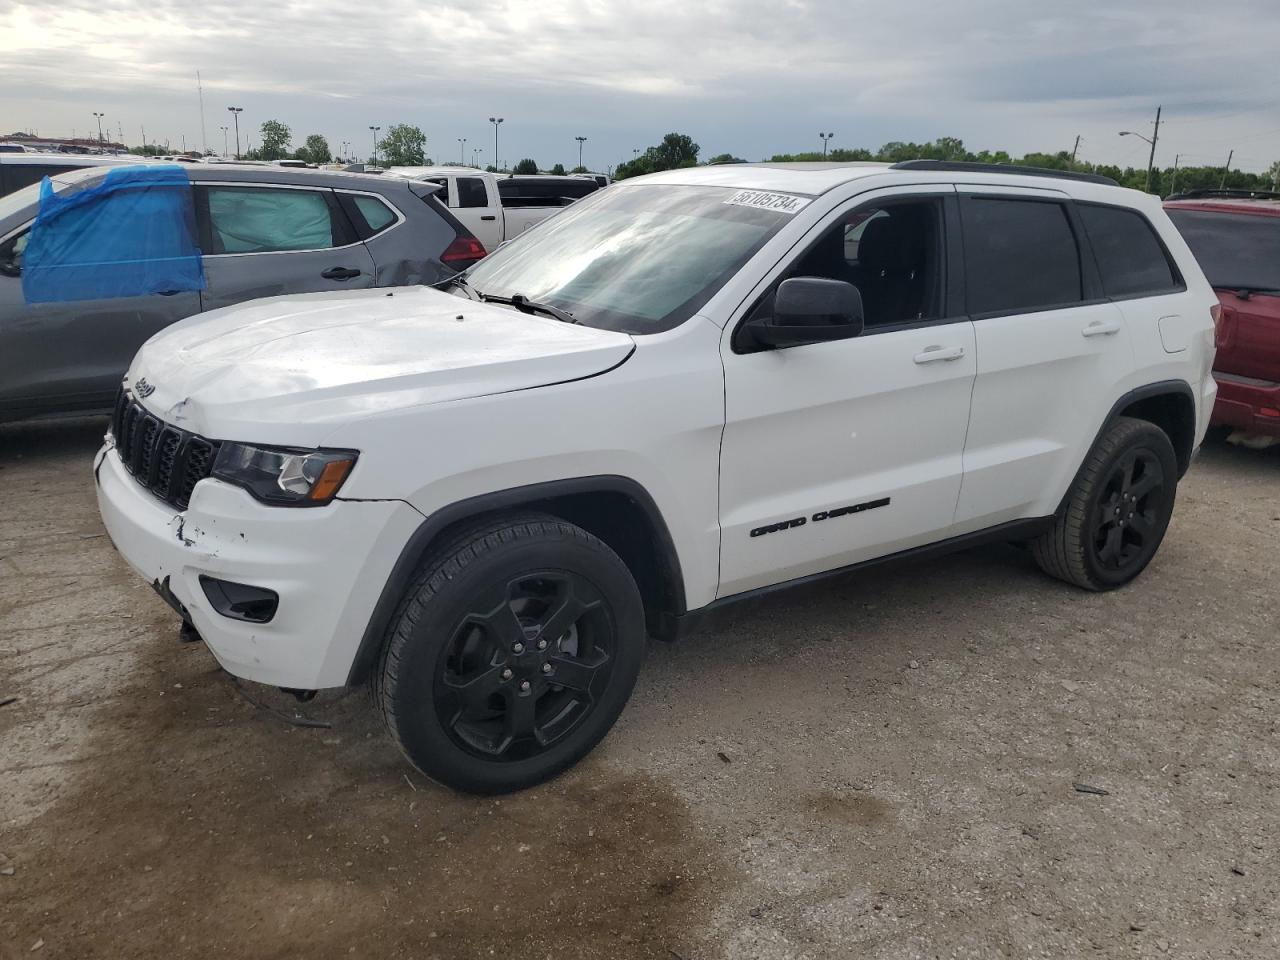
x: 490, y: 216
x: 340, y: 273
x: 936, y: 353
x: 1101, y: 328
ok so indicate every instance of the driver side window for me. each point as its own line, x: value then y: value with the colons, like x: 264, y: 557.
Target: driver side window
x: 11, y: 253
x: 892, y: 253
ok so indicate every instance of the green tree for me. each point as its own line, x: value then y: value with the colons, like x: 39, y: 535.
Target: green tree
x: 675, y: 151
x: 316, y: 150
x: 404, y: 146
x: 275, y: 140
x: 527, y: 167
x: 726, y: 158
x: 558, y: 170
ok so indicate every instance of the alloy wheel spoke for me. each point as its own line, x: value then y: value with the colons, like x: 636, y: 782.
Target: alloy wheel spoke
x: 1128, y: 464
x: 576, y: 674
x: 520, y: 721
x: 477, y: 687
x: 1111, y: 549
x: 503, y: 627
x: 562, y: 618
x: 1150, y: 481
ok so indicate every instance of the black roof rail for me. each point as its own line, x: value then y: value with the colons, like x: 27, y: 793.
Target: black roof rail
x: 1239, y: 194
x: 965, y: 166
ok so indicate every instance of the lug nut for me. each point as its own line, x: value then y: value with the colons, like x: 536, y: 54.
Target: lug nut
x: 542, y: 644
x: 524, y: 685
x: 506, y: 674
x: 517, y: 647
x: 546, y: 668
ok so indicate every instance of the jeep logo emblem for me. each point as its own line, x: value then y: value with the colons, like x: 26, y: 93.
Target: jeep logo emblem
x: 142, y: 389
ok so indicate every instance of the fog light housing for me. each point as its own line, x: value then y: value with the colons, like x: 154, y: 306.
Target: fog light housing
x: 240, y: 601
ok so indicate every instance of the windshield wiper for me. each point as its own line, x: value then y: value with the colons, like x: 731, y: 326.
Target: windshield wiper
x: 525, y: 305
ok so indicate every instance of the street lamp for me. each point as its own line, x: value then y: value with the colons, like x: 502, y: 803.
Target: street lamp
x: 825, y: 137
x: 495, y: 121
x: 375, y: 145
x: 462, y: 150
x: 1155, y: 135
x: 99, y: 116
x: 224, y: 141
x: 581, y: 141
x: 235, y: 112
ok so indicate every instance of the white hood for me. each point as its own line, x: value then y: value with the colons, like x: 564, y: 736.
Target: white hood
x: 288, y: 370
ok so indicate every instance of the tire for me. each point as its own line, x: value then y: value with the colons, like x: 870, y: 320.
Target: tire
x: 1116, y: 511
x: 511, y: 654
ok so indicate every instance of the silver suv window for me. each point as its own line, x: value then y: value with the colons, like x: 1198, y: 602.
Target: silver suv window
x: 265, y: 219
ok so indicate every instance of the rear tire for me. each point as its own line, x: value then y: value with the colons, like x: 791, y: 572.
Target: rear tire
x: 511, y: 655
x: 1116, y: 511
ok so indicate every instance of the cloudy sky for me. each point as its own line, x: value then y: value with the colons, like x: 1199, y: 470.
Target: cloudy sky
x: 751, y: 77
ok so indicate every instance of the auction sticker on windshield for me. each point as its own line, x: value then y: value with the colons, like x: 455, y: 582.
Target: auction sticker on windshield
x: 781, y: 202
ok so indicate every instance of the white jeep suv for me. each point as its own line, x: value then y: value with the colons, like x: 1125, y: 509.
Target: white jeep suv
x: 684, y: 390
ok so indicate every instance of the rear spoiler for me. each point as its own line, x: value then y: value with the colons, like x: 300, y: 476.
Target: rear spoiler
x: 423, y: 189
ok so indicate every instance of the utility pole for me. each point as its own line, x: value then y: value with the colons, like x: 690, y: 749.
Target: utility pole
x: 1074, y: 150
x: 1151, y: 159
x: 1227, y: 169
x: 224, y: 129
x: 495, y: 121
x: 99, y: 116
x: 825, y: 137
x: 581, y: 141
x: 204, y: 132
x: 1174, y: 185
x: 144, y: 139
x: 375, y: 130
x: 235, y: 112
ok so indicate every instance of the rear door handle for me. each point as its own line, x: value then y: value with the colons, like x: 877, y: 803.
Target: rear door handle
x: 340, y: 273
x: 1101, y: 328
x: 490, y: 216
x: 935, y: 354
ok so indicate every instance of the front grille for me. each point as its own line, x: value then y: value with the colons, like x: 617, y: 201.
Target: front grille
x: 165, y: 459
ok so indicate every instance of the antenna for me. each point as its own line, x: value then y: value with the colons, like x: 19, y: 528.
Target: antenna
x: 204, y: 137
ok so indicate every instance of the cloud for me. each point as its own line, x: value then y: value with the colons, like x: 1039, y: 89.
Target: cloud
x: 748, y: 76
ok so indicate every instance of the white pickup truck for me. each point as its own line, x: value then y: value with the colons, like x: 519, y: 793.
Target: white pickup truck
x: 497, y: 208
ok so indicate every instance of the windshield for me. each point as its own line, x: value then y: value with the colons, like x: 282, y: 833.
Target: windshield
x: 19, y: 200
x: 637, y: 259
x: 1236, y: 250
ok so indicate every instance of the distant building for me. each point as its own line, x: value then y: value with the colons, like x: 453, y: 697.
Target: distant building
x: 64, y: 145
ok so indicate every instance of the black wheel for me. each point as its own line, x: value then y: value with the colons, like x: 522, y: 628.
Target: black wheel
x: 511, y: 655
x: 1117, y: 510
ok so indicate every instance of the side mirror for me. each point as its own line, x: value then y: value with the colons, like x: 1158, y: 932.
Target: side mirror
x: 810, y: 310
x: 10, y: 269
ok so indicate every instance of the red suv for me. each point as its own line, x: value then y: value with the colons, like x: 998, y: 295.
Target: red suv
x: 1236, y: 237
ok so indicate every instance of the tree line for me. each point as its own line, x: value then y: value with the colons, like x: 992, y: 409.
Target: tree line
x: 678, y: 150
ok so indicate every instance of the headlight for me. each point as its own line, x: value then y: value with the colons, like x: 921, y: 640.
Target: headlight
x: 284, y: 475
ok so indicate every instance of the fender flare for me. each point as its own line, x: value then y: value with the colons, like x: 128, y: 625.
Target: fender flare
x: 422, y: 538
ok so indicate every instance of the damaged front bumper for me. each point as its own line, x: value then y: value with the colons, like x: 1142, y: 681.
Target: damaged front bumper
x: 327, y: 565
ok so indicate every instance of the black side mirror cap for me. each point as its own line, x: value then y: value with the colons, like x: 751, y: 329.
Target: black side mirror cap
x: 810, y: 310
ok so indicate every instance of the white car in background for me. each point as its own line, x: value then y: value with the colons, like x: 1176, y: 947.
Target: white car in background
x: 683, y: 391
x: 499, y: 207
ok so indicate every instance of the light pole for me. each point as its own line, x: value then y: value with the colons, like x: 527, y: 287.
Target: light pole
x: 375, y: 145
x: 235, y: 112
x: 495, y: 121
x: 475, y: 157
x: 99, y: 116
x: 224, y: 129
x: 1155, y: 136
x: 462, y: 150
x: 825, y: 137
x: 581, y: 141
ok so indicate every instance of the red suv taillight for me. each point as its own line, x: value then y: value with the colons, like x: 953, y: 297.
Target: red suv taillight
x: 463, y: 252
x: 1219, y: 328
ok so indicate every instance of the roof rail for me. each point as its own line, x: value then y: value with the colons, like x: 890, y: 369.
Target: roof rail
x: 964, y: 166
x: 1239, y: 194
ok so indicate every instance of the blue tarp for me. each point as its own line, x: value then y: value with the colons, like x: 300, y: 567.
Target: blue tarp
x: 132, y: 235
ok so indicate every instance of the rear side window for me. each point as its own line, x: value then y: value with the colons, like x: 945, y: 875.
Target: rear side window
x: 376, y: 213
x: 270, y: 220
x: 19, y: 175
x: 1020, y: 256
x: 1240, y: 251
x: 1131, y: 258
x: 471, y: 192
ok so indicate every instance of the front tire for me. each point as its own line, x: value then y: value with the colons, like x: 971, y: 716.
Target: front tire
x: 511, y: 655
x: 1117, y: 510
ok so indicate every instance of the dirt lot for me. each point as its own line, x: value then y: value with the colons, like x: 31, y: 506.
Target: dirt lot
x: 880, y: 766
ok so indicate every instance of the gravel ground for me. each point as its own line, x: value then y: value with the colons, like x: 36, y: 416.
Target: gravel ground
x: 880, y: 766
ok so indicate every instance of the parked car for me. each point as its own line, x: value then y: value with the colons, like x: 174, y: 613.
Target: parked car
x: 1236, y: 237
x: 677, y: 394
x: 497, y: 208
x: 18, y: 170
x: 263, y: 231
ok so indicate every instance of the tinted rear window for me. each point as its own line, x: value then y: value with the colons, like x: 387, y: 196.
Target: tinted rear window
x: 543, y: 191
x: 1131, y: 258
x: 1235, y: 250
x: 1020, y: 255
x: 471, y: 192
